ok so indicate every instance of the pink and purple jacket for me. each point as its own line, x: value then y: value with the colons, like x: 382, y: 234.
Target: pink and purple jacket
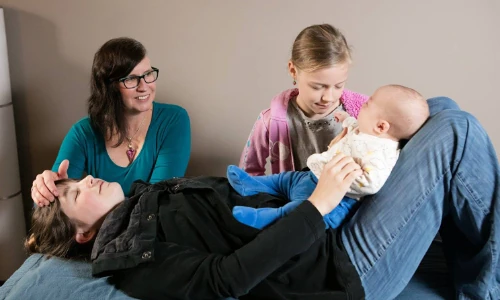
x: 270, y: 134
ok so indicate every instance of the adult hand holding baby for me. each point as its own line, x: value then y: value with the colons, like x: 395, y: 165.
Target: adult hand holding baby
x: 334, y: 182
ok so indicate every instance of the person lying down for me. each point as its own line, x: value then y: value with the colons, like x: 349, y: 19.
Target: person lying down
x: 178, y: 239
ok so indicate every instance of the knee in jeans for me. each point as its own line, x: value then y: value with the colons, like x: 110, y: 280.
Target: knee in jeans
x: 445, y: 102
x: 438, y: 104
x: 452, y: 116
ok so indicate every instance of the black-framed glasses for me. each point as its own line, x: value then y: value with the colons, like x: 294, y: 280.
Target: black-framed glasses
x: 133, y: 81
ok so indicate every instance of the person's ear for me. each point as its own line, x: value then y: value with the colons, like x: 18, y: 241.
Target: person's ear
x: 292, y: 70
x: 382, y: 126
x: 83, y: 237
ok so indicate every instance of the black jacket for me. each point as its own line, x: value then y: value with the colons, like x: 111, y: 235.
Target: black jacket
x: 177, y: 239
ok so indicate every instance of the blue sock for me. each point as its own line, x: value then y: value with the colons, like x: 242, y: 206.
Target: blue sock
x: 245, y: 184
x: 262, y: 217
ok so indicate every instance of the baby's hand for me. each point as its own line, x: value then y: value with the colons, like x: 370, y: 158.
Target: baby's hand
x: 340, y: 116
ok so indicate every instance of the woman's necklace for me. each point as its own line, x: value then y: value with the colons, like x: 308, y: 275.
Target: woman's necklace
x: 130, y: 149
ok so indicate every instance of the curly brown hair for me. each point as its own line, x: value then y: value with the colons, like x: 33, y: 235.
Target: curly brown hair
x: 114, y: 60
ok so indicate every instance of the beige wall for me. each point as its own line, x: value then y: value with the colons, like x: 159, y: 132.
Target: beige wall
x: 224, y: 60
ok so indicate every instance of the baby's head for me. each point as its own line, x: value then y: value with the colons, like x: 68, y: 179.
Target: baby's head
x: 393, y: 111
x: 74, y: 217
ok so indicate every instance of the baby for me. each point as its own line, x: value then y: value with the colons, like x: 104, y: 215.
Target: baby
x: 392, y: 114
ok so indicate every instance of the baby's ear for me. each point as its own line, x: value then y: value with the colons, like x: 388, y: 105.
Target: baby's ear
x: 383, y: 126
x: 84, y: 237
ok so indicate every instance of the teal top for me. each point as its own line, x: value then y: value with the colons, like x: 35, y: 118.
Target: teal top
x: 165, y: 153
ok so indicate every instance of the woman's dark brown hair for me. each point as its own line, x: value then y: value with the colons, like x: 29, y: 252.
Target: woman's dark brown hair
x: 53, y: 233
x: 114, y: 60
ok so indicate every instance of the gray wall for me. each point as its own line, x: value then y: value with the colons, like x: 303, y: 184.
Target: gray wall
x: 224, y: 60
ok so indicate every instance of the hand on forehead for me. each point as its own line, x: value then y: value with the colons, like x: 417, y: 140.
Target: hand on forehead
x: 63, y: 186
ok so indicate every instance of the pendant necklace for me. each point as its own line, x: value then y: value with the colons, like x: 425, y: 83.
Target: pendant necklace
x: 130, y: 149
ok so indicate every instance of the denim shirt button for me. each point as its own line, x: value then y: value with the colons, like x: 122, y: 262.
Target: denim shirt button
x: 151, y: 217
x: 146, y: 255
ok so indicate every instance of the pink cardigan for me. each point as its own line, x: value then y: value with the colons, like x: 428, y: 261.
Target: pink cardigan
x: 270, y: 134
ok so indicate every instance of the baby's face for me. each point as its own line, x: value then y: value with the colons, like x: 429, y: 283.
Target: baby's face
x: 371, y: 112
x: 87, y: 201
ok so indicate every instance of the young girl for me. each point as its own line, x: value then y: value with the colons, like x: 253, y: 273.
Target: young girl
x: 392, y: 114
x: 319, y: 67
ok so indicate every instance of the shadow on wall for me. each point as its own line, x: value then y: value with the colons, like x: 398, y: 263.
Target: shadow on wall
x: 40, y: 78
x: 208, y: 165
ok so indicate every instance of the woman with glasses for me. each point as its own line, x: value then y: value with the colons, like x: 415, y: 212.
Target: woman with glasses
x: 126, y: 136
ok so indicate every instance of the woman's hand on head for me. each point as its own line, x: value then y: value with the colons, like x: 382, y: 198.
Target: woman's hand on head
x: 44, y: 189
x: 334, y: 182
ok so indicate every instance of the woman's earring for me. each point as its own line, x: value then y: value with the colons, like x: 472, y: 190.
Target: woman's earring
x: 294, y: 82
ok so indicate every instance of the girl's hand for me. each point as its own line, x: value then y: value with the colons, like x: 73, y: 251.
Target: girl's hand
x: 334, y: 182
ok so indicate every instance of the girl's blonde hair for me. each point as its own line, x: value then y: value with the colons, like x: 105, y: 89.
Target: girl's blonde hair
x: 320, y: 46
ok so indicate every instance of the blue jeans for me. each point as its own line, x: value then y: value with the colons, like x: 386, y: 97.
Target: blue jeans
x: 447, y: 177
